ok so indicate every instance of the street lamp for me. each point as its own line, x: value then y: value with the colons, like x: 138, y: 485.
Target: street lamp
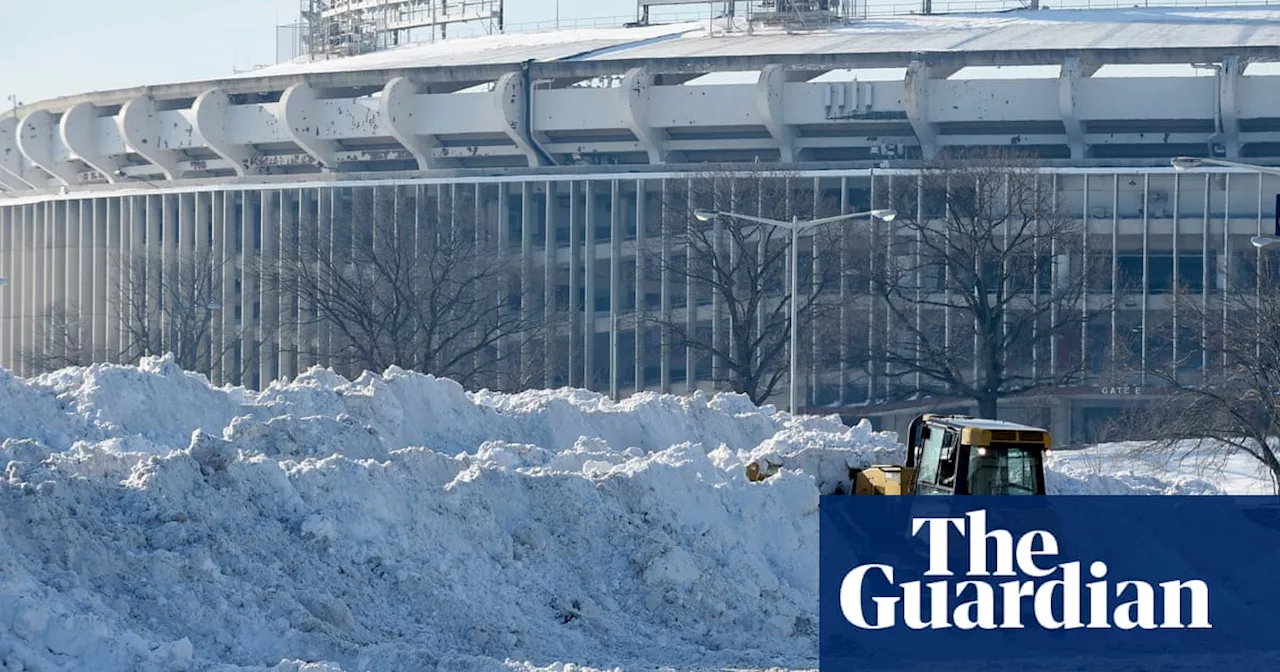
x: 795, y: 226
x: 1186, y: 163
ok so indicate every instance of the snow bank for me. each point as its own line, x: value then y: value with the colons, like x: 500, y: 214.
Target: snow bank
x: 149, y: 521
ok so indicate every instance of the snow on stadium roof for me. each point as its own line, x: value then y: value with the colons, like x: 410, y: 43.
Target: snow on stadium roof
x: 1020, y: 37
x: 1043, y: 30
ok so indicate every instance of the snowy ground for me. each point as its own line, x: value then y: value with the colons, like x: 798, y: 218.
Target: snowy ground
x: 151, y: 522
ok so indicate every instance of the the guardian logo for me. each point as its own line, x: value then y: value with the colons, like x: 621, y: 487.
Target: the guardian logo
x: 970, y: 604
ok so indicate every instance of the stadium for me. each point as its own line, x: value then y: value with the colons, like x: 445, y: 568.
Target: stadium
x: 150, y: 219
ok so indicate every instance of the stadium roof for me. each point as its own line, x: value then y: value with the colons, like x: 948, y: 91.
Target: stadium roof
x: 1020, y: 37
x: 1066, y: 30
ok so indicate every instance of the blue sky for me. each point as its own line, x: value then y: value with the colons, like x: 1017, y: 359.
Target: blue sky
x: 51, y: 48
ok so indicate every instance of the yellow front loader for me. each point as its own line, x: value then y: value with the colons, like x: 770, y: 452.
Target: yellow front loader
x: 950, y: 455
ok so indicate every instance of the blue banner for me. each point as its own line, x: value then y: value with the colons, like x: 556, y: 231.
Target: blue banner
x: 1075, y: 583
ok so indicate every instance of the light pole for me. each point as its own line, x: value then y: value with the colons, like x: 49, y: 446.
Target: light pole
x: 795, y: 226
x: 1185, y: 163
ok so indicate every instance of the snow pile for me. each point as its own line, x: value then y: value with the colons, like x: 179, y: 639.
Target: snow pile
x: 151, y: 522
x: 1136, y: 468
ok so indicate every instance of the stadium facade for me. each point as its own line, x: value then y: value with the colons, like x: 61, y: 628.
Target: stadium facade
x: 562, y: 144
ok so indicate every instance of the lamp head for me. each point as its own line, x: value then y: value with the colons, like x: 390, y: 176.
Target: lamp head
x: 4, y: 281
x: 1265, y: 242
x: 703, y: 215
x: 886, y: 215
x: 1183, y: 163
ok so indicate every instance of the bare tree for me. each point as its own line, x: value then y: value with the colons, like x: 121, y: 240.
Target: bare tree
x: 61, y: 343
x: 1219, y: 369
x: 171, y: 302
x: 421, y: 285
x: 742, y: 269
x: 975, y: 290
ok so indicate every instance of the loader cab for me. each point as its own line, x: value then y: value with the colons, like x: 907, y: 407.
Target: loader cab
x: 960, y: 455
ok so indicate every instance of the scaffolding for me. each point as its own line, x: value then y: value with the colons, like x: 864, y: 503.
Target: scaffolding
x: 793, y: 14
x: 799, y: 14
x: 340, y: 28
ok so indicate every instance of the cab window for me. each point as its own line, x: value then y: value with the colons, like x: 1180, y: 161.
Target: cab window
x: 1002, y: 470
x: 938, y: 463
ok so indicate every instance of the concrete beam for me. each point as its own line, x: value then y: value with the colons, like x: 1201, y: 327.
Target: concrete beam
x: 11, y: 163
x: 212, y: 111
x: 398, y: 104
x: 1228, y: 103
x: 36, y: 133
x: 1073, y: 71
x: 634, y: 95
x: 141, y: 131
x: 915, y: 95
x: 770, y: 89
x: 510, y: 97
x: 298, y: 106
x: 80, y: 135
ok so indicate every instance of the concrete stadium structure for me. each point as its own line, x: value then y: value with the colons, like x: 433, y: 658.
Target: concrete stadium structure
x: 573, y: 136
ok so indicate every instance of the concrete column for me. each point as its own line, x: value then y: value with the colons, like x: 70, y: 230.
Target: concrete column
x: 576, y: 310
x: 325, y: 250
x: 718, y: 335
x: 184, y: 259
x: 208, y: 275
x: 70, y: 271
x: 665, y: 268
x: 502, y: 230
x: 287, y: 322
x: 615, y: 289
x: 844, y: 296
x: 101, y: 279
x: 135, y: 289
x: 268, y: 296
x: 550, y: 266
x: 872, y: 361
x: 589, y: 286
x: 15, y: 242
x: 250, y: 324
x: 811, y: 389
x: 116, y: 278
x: 690, y: 301
x: 308, y: 236
x: 26, y: 288
x: 228, y: 256
x: 6, y: 271
x: 58, y: 254
x: 642, y: 309
x: 527, y: 293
